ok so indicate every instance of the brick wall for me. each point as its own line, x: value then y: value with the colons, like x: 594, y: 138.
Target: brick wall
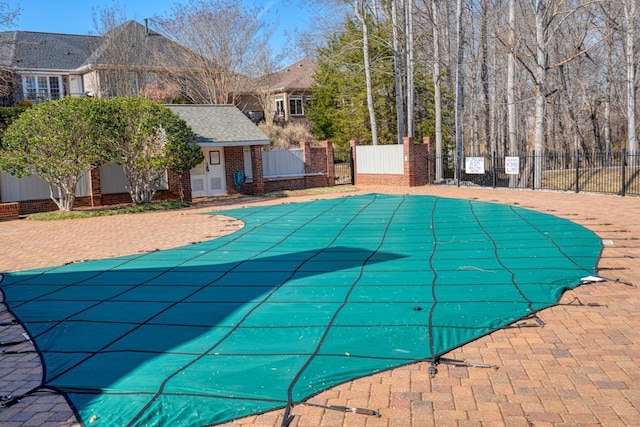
x: 416, y: 170
x: 319, y: 168
x: 233, y: 161
x: 416, y: 167
x: 9, y: 211
x: 379, y: 179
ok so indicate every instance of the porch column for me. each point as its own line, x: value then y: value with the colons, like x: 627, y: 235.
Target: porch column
x: 258, y: 172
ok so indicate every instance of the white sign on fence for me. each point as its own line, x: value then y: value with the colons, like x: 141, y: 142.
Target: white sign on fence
x: 474, y: 165
x: 512, y: 165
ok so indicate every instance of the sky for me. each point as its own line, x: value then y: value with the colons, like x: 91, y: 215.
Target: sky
x: 75, y: 16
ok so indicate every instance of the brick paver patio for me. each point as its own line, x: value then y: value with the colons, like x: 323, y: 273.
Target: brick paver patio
x: 581, y: 369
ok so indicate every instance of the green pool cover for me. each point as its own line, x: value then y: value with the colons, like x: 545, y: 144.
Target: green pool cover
x: 304, y: 297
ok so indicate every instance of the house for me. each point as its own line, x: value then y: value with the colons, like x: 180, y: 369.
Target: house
x: 280, y: 96
x: 223, y: 132
x: 132, y: 60
x: 126, y: 61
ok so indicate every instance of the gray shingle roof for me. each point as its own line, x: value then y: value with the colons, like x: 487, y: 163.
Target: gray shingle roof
x: 52, y: 51
x: 295, y: 76
x: 44, y: 51
x: 222, y: 125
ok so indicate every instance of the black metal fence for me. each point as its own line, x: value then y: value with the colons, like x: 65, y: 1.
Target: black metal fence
x: 595, y: 172
x: 343, y: 165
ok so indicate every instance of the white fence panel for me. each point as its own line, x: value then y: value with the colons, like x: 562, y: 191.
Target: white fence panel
x: 114, y: 181
x: 32, y: 187
x: 248, y: 168
x: 380, y: 159
x: 283, y: 163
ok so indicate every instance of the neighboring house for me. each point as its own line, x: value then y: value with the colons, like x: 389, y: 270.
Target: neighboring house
x: 48, y: 66
x: 284, y: 93
x: 223, y: 132
x: 132, y: 60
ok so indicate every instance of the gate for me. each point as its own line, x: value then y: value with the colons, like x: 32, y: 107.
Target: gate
x: 343, y: 166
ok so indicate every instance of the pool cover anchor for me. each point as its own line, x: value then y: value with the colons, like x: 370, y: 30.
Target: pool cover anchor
x: 433, y: 365
x: 538, y: 323
x: 288, y: 417
x: 577, y: 303
x: 9, y: 400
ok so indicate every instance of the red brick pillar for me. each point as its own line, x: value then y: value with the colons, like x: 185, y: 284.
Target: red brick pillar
x: 331, y: 167
x: 257, y: 169
x: 408, y: 161
x: 96, y: 187
x: 306, y: 156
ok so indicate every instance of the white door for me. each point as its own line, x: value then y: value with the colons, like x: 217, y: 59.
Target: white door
x: 208, y: 178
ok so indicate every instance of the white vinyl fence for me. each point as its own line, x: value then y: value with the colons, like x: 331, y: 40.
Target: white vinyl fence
x: 114, y: 181
x: 278, y: 164
x: 32, y: 187
x: 380, y: 159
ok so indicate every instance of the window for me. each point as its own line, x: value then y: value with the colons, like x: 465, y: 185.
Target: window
x: 109, y: 84
x: 132, y: 84
x: 118, y: 83
x: 150, y: 78
x: 295, y: 106
x: 280, y: 107
x: 42, y: 88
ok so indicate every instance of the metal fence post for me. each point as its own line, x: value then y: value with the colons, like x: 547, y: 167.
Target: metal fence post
x: 352, y: 166
x: 623, y: 188
x: 577, y: 163
x: 494, y: 161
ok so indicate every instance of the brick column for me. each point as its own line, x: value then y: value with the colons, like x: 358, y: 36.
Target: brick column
x: 331, y: 167
x: 306, y: 156
x: 96, y: 187
x: 408, y: 161
x: 257, y: 169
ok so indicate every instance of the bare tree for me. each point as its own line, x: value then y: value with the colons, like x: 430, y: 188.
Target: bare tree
x: 397, y: 71
x: 630, y: 29
x: 360, y: 9
x: 409, y: 13
x: 263, y: 85
x: 437, y: 88
x: 107, y: 18
x: 8, y: 14
x: 459, y: 87
x: 514, y: 148
x: 225, y: 43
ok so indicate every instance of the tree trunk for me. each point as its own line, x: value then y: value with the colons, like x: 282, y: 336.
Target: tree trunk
x: 541, y: 89
x: 484, y: 76
x: 397, y: 71
x: 630, y: 33
x: 362, y: 16
x: 410, y: 68
x: 514, y: 150
x: 437, y: 90
x: 459, y: 91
